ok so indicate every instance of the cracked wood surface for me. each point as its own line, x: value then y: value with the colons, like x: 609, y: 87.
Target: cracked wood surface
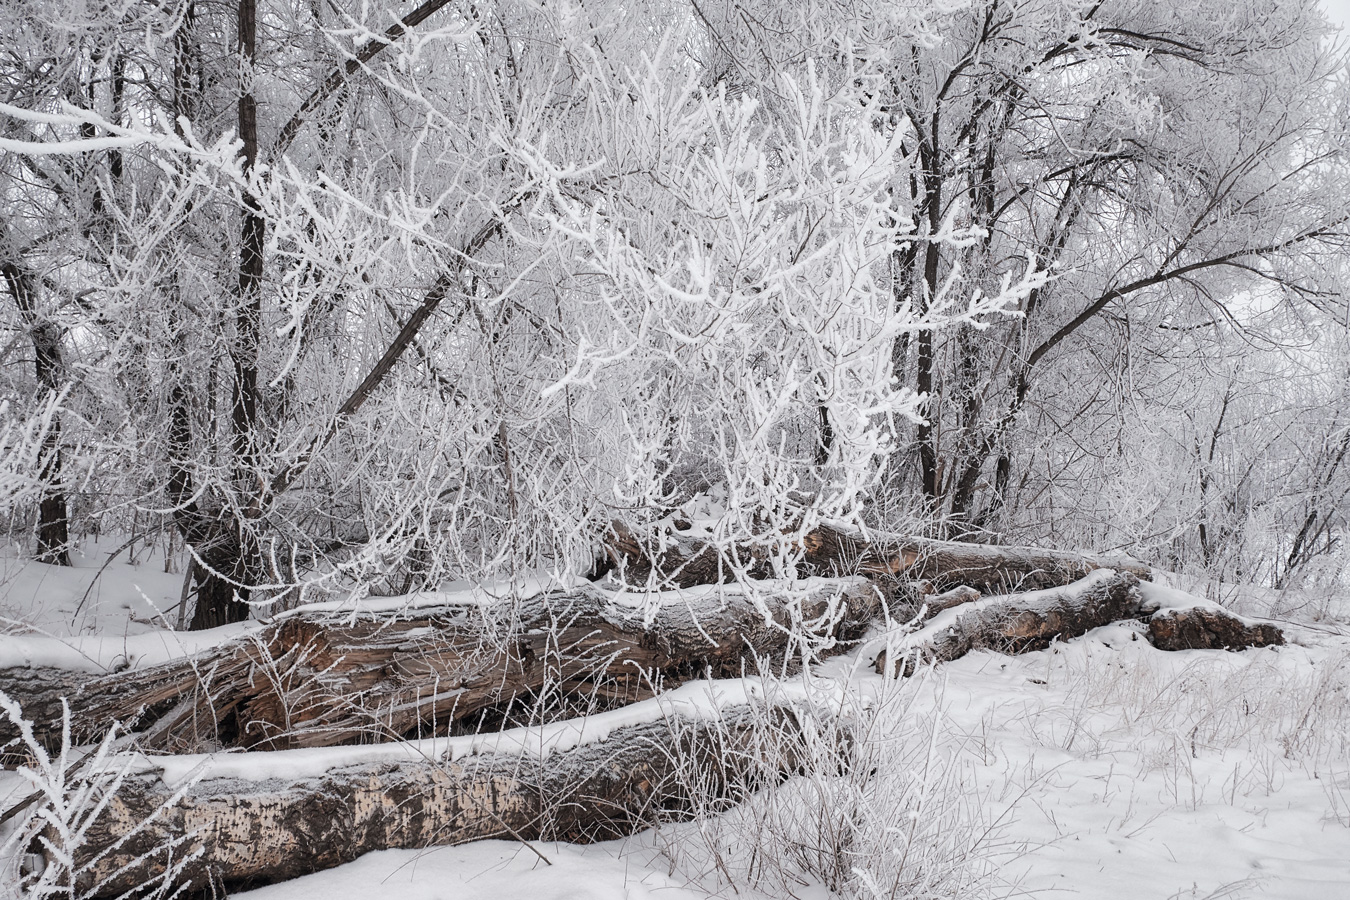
x: 319, y: 679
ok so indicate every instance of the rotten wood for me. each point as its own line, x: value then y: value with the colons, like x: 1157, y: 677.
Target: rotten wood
x: 1209, y: 628
x: 315, y: 679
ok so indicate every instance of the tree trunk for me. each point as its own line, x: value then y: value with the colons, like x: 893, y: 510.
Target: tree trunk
x: 315, y: 679
x: 686, y: 560
x: 226, y: 569
x: 950, y: 564
x: 1021, y: 623
x: 1018, y: 623
x: 320, y: 677
x: 253, y: 832
x: 53, y: 530
x: 221, y: 537
x: 222, y: 595
x: 1209, y: 628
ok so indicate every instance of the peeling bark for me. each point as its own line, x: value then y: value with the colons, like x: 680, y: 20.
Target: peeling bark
x: 317, y: 679
x: 254, y: 833
x: 1019, y: 623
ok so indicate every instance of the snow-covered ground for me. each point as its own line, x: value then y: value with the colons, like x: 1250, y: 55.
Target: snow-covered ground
x: 1101, y: 768
x: 104, y: 594
x: 1130, y: 772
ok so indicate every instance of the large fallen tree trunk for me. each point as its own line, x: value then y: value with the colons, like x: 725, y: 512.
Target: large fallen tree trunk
x: 316, y: 678
x: 278, y: 823
x: 684, y: 559
x: 257, y: 818
x: 945, y: 565
x: 320, y: 677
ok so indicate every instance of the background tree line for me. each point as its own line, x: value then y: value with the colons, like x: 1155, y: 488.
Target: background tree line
x: 348, y: 296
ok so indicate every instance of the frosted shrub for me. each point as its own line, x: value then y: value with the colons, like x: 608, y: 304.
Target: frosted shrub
x: 879, y: 804
x: 70, y: 791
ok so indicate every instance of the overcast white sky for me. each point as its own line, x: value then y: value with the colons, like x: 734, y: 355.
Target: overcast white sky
x: 1338, y: 11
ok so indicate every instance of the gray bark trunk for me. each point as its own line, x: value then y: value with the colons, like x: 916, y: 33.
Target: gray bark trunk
x: 317, y: 679
x: 685, y: 560
x: 251, y: 833
x: 1019, y: 623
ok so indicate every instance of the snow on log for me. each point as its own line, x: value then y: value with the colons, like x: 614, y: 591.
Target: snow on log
x: 1020, y: 623
x: 685, y: 560
x: 1204, y: 628
x: 1016, y: 623
x: 318, y: 678
x: 950, y: 564
x: 266, y: 817
x: 1180, y: 621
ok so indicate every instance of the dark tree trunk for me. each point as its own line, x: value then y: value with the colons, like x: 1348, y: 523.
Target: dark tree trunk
x: 250, y: 481
x: 222, y: 595
x: 930, y: 157
x: 219, y: 591
x: 826, y: 442
x: 216, y: 572
x: 53, y: 529
x: 225, y: 569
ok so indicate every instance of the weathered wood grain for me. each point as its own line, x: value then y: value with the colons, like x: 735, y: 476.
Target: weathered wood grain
x: 316, y: 679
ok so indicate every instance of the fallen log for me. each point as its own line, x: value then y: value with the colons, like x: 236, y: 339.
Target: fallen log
x: 950, y: 564
x: 923, y: 605
x: 1209, y: 628
x: 319, y: 678
x: 1021, y: 623
x: 1017, y: 623
x: 577, y: 781
x: 683, y: 559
